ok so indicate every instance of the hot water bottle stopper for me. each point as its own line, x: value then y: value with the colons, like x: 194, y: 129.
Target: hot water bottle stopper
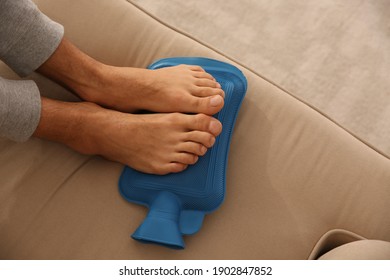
x: 178, y: 202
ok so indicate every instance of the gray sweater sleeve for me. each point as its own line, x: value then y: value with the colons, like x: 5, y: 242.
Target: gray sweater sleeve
x: 20, y: 107
x: 27, y: 39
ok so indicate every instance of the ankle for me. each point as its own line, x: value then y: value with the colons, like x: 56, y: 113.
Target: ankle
x: 86, y: 128
x: 89, y: 82
x: 112, y: 85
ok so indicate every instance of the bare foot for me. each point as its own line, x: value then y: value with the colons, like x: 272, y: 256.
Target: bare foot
x: 182, y: 88
x: 152, y: 143
x: 156, y: 143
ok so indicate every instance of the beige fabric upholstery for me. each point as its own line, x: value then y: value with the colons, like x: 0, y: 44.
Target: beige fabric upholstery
x: 292, y: 176
x: 360, y: 250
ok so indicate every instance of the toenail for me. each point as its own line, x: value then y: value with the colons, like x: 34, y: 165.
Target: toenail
x: 212, y: 141
x: 215, y: 127
x: 216, y: 101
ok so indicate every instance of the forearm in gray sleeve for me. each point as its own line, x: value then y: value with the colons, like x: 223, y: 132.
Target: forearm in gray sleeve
x: 27, y: 37
x: 20, y: 107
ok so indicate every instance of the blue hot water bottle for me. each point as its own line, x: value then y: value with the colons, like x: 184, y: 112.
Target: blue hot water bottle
x: 178, y: 202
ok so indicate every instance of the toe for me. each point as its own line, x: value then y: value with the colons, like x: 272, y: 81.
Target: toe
x: 175, y: 167
x: 202, y: 91
x: 207, y: 105
x: 199, y: 91
x: 207, y: 83
x: 195, y: 68
x: 216, y: 101
x: 206, y: 123
x: 172, y: 167
x: 203, y: 75
x: 206, y: 139
x: 195, y: 148
x: 186, y: 158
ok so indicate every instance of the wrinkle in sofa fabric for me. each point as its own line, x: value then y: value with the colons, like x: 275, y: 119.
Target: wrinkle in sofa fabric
x: 292, y: 174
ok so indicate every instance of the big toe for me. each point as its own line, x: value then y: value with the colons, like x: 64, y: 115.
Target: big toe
x: 208, y: 105
x: 208, y: 124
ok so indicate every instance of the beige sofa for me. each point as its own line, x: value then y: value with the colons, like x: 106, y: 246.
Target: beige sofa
x: 298, y: 185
